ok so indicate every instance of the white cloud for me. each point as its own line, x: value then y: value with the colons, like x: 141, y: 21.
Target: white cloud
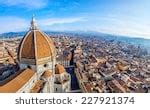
x: 110, y: 25
x: 12, y: 24
x: 29, y: 4
x: 124, y: 26
x: 53, y: 21
x: 16, y: 24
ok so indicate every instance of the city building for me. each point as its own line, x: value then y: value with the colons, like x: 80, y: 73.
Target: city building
x: 38, y: 68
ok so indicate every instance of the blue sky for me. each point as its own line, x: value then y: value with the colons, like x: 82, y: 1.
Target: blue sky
x: 121, y: 17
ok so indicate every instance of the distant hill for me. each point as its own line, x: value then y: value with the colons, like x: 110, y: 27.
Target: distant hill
x: 115, y: 38
x: 11, y: 34
x: 15, y: 34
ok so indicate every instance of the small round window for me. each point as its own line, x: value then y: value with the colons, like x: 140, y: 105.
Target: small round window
x: 45, y: 65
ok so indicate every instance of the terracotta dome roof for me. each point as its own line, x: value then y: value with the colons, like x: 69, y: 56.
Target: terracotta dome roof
x: 59, y: 69
x: 35, y: 45
x: 47, y: 74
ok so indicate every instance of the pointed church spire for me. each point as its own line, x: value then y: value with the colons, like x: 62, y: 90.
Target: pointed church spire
x: 33, y: 24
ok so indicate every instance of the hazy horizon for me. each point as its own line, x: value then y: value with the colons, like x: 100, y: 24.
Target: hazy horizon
x: 117, y: 17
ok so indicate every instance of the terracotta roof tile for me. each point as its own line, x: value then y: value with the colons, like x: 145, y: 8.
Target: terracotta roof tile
x: 59, y: 69
x: 47, y: 74
x: 18, y: 82
x: 36, y: 44
x: 38, y: 85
